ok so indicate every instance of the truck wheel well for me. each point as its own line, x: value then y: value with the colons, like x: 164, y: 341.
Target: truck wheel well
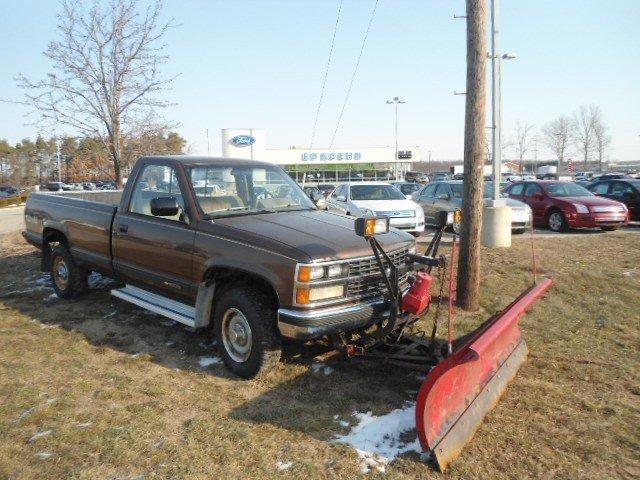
x: 50, y: 238
x: 226, y: 278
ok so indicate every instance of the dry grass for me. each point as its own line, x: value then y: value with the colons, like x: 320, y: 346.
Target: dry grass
x: 572, y: 412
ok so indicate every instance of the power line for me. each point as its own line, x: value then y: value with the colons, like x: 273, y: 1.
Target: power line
x: 326, y: 73
x: 355, y: 71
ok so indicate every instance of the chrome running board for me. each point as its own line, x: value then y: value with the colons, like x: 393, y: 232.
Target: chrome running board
x: 180, y: 312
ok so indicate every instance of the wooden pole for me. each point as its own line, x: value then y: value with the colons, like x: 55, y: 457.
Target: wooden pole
x: 474, y: 145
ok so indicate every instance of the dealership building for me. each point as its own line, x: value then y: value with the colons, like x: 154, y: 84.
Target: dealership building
x: 320, y: 164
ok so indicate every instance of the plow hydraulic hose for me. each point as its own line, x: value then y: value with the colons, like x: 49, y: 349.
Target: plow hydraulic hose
x: 460, y: 390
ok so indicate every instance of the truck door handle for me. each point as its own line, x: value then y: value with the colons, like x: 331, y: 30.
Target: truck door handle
x: 123, y: 229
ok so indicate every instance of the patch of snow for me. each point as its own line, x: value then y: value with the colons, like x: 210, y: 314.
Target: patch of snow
x: 321, y: 367
x: 95, y: 280
x: 344, y: 423
x: 377, y: 441
x: 46, y: 326
x: 335, y: 417
x: 208, y: 361
x: 166, y: 323
x: 282, y: 466
x: 45, y: 455
x: 51, y: 400
x: 25, y: 414
x: 631, y: 273
x: 53, y: 296
x: 169, y: 344
x: 110, y: 314
x: 39, y: 435
x: 84, y: 425
x: 208, y: 345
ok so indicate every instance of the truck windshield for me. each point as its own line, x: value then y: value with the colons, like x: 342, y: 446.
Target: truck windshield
x: 226, y: 190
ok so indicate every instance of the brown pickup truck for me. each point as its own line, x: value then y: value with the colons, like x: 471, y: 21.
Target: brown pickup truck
x: 234, y: 245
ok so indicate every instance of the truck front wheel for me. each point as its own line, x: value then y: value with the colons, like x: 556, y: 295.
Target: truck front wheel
x: 245, y: 328
x: 68, y: 279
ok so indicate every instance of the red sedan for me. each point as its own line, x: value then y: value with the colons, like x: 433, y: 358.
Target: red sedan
x: 564, y: 205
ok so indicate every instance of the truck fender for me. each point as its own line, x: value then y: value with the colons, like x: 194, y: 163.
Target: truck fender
x: 204, y: 303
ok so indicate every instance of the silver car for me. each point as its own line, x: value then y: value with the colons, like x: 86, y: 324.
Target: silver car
x: 447, y: 196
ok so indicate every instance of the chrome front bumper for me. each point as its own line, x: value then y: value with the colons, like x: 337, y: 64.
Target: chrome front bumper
x: 311, y: 324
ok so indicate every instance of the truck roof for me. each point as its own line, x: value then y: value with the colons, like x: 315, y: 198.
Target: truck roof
x: 203, y: 160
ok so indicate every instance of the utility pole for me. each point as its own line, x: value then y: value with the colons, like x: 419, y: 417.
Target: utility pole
x: 58, y: 160
x: 535, y: 155
x: 207, y: 141
x: 396, y: 101
x: 429, y: 165
x: 468, y: 287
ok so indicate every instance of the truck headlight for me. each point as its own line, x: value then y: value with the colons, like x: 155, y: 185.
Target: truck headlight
x: 305, y: 295
x: 309, y: 273
x: 581, y: 208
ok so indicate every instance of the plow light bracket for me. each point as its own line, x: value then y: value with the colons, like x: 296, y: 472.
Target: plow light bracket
x: 371, y: 226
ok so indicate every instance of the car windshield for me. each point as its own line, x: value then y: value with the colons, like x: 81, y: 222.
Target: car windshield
x: 376, y: 192
x: 227, y: 190
x: 567, y: 189
x: 456, y: 189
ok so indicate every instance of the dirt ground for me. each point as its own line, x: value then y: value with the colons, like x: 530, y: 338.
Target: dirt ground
x: 95, y: 388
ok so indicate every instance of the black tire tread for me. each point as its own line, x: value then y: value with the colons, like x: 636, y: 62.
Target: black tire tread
x: 77, y: 276
x: 271, y: 342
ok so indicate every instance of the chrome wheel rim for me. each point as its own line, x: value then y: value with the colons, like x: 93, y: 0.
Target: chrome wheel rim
x: 555, y: 221
x: 236, y: 335
x: 60, y: 273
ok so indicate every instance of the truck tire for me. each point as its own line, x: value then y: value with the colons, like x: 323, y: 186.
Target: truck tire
x: 68, y: 279
x: 245, y: 328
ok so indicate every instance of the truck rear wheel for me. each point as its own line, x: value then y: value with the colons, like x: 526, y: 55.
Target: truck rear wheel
x: 245, y: 327
x: 68, y: 279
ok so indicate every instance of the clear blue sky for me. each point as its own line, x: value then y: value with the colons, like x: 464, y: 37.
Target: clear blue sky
x: 260, y: 64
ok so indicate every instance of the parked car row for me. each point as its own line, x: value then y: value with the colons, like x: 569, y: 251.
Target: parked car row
x: 63, y: 186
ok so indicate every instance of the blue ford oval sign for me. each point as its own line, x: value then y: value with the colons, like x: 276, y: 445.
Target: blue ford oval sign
x: 241, y: 140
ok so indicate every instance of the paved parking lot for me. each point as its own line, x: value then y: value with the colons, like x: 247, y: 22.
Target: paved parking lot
x: 11, y: 219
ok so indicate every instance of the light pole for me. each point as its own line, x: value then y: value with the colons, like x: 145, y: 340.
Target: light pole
x: 396, y: 101
x: 496, y: 96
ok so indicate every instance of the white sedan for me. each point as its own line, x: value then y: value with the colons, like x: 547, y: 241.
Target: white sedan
x: 363, y: 199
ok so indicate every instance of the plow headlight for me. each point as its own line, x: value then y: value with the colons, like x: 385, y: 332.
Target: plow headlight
x: 368, y: 227
x: 305, y: 295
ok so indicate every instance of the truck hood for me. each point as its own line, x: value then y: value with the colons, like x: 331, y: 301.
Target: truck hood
x: 309, y: 235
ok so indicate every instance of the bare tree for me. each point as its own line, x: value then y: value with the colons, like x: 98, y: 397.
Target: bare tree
x: 602, y: 139
x: 106, y: 73
x: 557, y: 137
x: 583, y: 130
x: 522, y: 141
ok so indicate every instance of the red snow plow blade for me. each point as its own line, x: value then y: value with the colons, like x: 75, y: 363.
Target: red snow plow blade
x: 461, y: 389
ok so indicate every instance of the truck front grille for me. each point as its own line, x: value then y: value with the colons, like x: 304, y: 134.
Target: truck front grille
x: 369, y: 266
x: 365, y: 280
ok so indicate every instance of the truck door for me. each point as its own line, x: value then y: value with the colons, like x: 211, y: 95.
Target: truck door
x: 151, y: 251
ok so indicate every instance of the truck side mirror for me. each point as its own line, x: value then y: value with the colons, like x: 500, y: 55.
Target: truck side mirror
x: 164, y: 206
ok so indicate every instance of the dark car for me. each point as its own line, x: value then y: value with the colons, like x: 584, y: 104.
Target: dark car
x: 563, y: 205
x: 407, y: 188
x: 9, y: 191
x: 625, y: 190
